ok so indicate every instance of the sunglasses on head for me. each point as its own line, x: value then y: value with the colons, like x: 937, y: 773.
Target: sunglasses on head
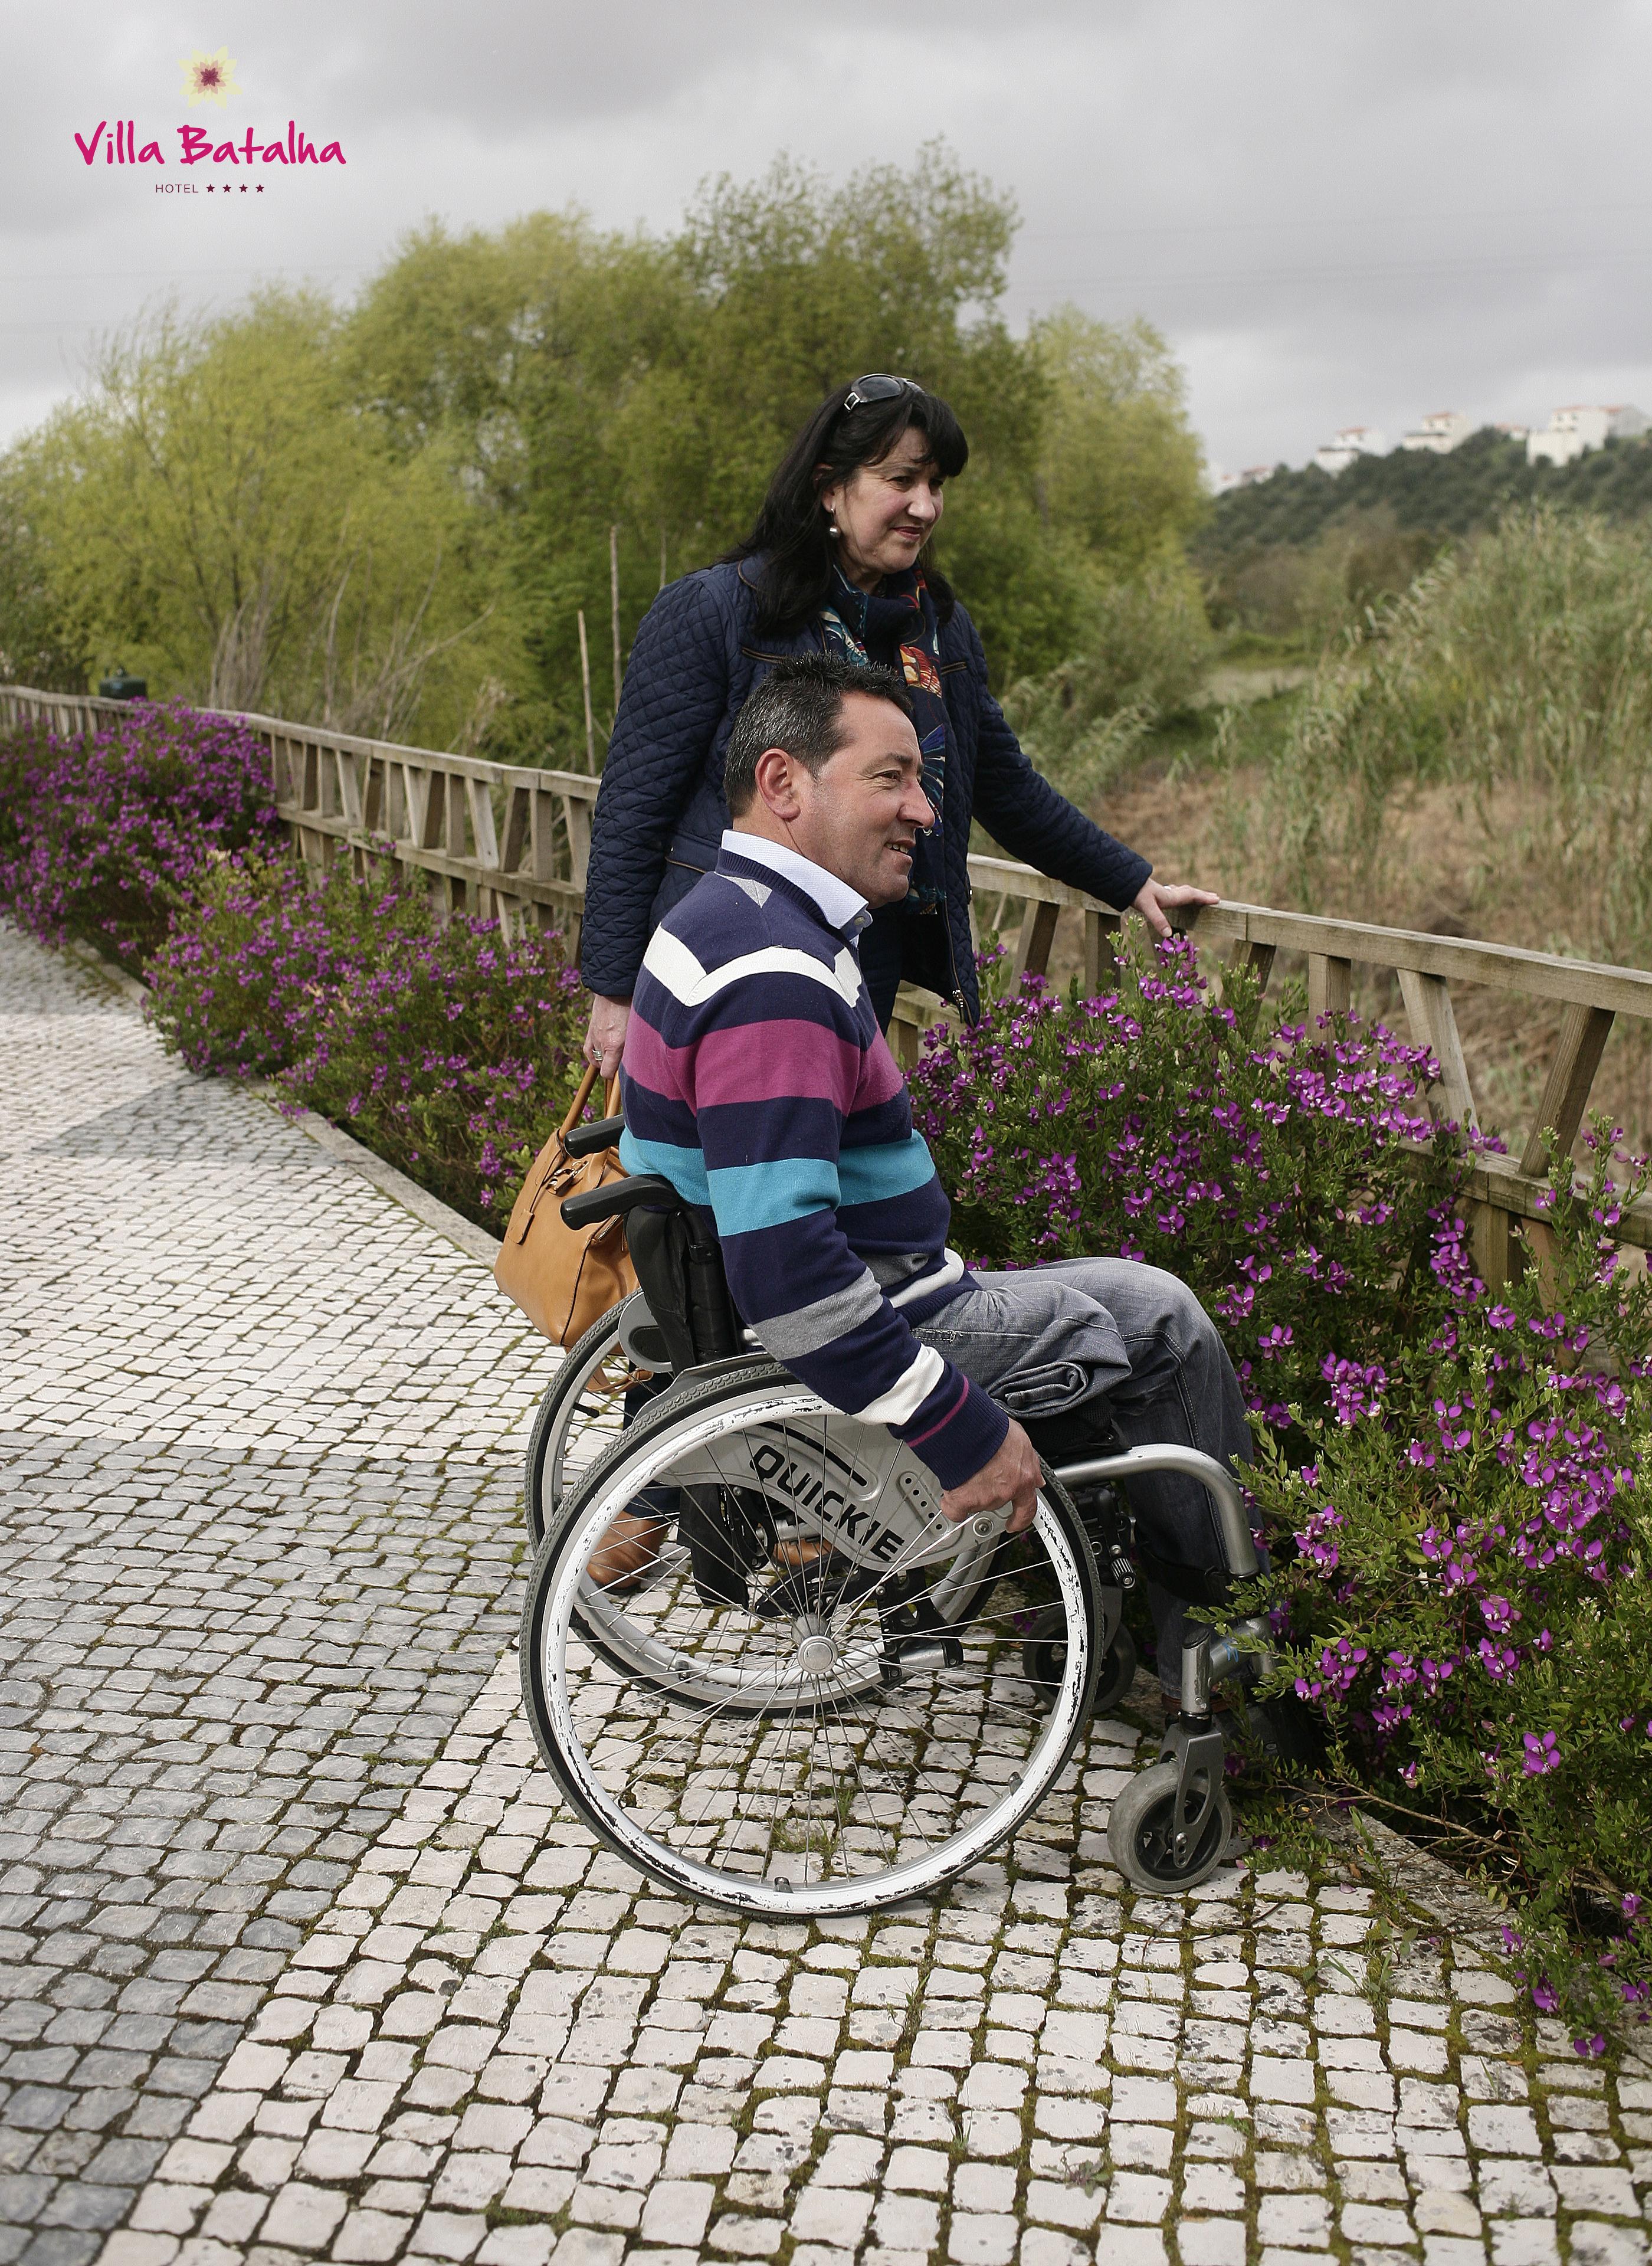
x: 877, y: 386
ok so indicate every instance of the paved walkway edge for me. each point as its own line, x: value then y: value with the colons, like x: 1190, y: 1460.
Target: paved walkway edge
x: 475, y: 1242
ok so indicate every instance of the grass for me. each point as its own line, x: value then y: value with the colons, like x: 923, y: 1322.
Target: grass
x: 1476, y: 761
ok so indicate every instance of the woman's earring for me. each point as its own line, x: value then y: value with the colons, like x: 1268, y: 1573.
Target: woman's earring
x: 831, y: 528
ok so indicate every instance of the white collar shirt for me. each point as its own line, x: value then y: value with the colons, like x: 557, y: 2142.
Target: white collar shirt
x: 845, y: 908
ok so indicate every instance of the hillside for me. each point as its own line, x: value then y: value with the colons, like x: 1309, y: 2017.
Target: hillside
x: 1439, y: 495
x: 1296, y: 559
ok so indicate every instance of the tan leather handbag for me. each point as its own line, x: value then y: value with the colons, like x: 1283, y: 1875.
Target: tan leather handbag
x: 566, y: 1278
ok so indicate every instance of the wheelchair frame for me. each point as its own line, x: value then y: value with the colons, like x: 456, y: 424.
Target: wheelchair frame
x: 1171, y: 1829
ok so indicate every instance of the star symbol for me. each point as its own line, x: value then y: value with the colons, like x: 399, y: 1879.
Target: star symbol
x: 243, y: 188
x: 209, y: 188
x: 260, y: 188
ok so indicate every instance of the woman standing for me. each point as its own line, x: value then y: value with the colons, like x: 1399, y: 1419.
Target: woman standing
x: 836, y: 561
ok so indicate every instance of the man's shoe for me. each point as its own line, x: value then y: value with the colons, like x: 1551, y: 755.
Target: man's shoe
x: 627, y: 1553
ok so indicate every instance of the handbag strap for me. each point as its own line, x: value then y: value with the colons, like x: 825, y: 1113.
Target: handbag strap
x: 577, y: 1109
x: 559, y: 1157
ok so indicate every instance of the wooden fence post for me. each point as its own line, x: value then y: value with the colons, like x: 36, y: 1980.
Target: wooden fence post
x: 1434, y: 1024
x: 1583, y: 1036
x: 1330, y: 985
x: 1036, y: 934
x: 1101, y: 937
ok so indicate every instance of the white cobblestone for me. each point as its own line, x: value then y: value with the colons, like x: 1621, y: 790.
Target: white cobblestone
x: 494, y: 2043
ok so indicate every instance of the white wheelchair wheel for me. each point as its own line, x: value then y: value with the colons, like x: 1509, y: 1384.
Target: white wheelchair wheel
x: 579, y: 1415
x: 860, y: 1728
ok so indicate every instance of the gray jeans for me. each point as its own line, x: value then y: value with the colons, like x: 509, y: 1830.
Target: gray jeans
x: 1131, y: 1345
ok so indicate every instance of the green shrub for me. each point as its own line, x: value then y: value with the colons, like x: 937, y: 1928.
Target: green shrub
x: 1267, y: 1165
x: 446, y: 1050
x: 1146, y: 650
x: 1462, y: 1590
x: 1519, y: 674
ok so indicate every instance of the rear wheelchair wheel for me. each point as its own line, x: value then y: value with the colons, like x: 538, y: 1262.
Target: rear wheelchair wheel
x: 582, y: 1411
x: 850, y: 1723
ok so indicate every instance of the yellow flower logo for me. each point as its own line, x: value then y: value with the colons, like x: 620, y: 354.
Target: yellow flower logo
x: 209, y: 78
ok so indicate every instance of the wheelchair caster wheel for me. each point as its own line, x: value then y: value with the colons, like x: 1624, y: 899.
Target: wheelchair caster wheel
x: 1044, y: 1658
x: 1142, y: 1838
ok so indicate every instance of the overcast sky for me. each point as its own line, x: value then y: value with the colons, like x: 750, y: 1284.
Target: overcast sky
x: 1339, y: 214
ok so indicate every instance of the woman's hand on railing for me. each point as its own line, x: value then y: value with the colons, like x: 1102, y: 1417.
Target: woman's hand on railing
x: 605, y: 1034
x: 1156, y: 900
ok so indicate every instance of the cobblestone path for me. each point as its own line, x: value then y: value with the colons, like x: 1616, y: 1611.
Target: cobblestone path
x: 301, y: 1961
x: 259, y: 1532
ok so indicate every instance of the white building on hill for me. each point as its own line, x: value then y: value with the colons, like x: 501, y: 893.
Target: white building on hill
x: 1571, y: 432
x: 1353, y: 441
x: 1224, y: 482
x: 1440, y: 432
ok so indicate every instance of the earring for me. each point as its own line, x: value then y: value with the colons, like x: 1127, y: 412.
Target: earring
x: 831, y: 528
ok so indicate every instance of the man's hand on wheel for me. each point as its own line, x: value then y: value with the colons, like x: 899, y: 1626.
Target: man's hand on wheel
x: 1156, y: 900
x: 605, y: 1034
x: 1012, y: 1477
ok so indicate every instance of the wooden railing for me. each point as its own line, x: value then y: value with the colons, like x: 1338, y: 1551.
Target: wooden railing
x: 1503, y: 1190
x: 498, y: 839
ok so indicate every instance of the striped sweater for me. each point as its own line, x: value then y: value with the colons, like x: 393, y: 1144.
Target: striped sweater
x: 757, y: 1082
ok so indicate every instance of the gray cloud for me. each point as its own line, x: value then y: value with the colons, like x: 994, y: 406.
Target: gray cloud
x: 1337, y: 214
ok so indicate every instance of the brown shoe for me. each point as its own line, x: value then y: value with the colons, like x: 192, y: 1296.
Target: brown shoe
x: 805, y: 1550
x: 629, y: 1549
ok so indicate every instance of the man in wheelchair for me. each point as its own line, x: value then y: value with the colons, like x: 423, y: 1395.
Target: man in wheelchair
x: 757, y: 1082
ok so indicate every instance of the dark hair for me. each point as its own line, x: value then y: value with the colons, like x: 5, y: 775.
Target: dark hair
x: 800, y: 706
x: 790, y: 531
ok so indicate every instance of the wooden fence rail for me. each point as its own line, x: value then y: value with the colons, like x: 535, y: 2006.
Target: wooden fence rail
x: 1504, y: 1190
x: 500, y: 839
x: 494, y: 839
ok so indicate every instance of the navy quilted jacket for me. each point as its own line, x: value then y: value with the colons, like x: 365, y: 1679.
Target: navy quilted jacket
x: 661, y: 813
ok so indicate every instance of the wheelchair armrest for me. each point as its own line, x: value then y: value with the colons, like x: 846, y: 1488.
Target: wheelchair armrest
x: 620, y: 1196
x: 589, y: 1140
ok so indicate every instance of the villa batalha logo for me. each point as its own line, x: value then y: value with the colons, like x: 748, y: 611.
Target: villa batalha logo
x: 209, y: 78
x: 206, y: 78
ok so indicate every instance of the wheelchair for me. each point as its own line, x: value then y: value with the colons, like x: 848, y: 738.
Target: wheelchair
x: 796, y: 1689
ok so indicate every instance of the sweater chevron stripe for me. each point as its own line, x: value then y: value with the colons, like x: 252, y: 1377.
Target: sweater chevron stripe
x: 756, y: 1081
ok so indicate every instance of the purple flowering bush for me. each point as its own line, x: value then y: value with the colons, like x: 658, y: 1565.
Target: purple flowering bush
x: 1462, y: 1592
x: 1265, y: 1164
x: 1448, y: 1479
x: 104, y: 834
x: 447, y: 1050
x: 241, y: 978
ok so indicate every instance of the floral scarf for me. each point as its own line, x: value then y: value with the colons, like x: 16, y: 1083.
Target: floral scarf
x: 897, y: 627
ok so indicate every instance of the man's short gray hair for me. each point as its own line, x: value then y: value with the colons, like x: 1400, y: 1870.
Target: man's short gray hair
x: 798, y: 707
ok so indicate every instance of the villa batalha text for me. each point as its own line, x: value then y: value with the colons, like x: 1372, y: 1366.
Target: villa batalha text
x: 122, y: 148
